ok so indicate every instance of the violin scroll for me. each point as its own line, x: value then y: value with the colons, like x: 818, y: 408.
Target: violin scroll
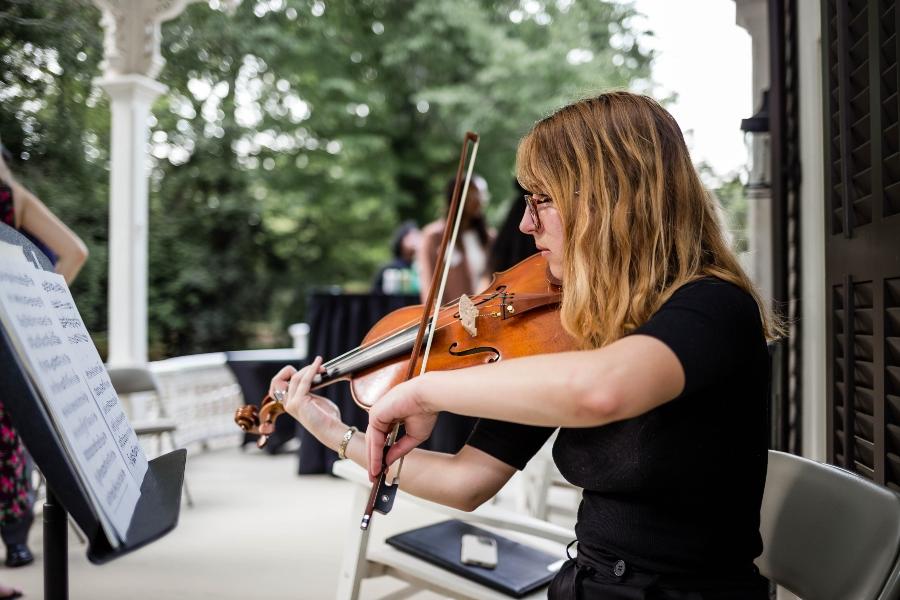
x: 247, y: 418
x: 259, y: 420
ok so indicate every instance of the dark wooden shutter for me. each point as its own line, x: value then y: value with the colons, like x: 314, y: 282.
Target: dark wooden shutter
x: 862, y: 196
x: 892, y: 380
x: 784, y: 111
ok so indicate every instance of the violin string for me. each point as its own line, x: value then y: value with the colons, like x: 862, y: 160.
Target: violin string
x: 399, y: 331
x: 375, y: 352
x: 398, y: 340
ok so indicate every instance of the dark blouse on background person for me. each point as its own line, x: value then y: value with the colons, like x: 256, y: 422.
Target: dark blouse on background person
x: 675, y: 491
x: 403, y: 277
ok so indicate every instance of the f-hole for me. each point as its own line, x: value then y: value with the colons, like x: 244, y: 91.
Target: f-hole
x: 475, y: 350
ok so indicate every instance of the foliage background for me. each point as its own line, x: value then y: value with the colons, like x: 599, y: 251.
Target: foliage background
x: 294, y: 136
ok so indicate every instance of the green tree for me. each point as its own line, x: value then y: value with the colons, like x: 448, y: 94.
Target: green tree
x: 733, y: 197
x: 56, y: 125
x: 294, y: 136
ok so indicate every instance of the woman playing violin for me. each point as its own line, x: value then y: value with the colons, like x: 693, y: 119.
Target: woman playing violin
x: 661, y: 413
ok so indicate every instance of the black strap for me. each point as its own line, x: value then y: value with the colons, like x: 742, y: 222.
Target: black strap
x: 567, y: 582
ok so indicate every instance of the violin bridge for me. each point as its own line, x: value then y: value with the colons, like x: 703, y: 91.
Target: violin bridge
x: 468, y: 312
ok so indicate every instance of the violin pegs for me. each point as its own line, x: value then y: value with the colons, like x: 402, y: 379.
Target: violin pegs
x: 247, y: 418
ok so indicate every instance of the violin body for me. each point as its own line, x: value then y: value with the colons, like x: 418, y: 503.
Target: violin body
x: 517, y: 315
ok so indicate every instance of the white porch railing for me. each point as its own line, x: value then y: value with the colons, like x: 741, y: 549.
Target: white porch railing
x: 201, y: 394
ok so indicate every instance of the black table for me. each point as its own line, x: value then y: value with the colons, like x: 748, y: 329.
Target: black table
x: 253, y: 370
x: 338, y: 323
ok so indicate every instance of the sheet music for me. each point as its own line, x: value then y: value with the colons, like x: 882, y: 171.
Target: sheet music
x: 39, y: 315
x: 89, y: 366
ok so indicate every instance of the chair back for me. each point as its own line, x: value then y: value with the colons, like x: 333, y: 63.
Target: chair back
x: 828, y: 533
x: 132, y: 380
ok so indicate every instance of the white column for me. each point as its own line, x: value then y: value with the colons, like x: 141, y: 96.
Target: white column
x: 752, y: 15
x: 812, y: 229
x: 759, y: 242
x: 131, y: 61
x: 131, y: 98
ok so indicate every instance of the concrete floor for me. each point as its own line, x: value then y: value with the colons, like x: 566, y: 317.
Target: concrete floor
x: 257, y: 530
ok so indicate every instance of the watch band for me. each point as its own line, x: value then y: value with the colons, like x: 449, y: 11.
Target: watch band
x: 342, y: 448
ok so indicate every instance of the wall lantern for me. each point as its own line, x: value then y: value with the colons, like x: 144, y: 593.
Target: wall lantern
x: 756, y: 138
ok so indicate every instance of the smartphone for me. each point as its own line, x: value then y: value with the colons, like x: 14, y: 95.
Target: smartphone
x: 478, y: 550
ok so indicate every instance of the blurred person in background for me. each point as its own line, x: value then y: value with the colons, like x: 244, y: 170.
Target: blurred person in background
x: 511, y: 245
x: 468, y: 260
x: 468, y: 275
x: 21, y: 209
x: 399, y: 275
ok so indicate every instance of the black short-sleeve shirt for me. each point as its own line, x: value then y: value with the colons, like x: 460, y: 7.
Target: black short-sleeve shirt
x: 677, y: 489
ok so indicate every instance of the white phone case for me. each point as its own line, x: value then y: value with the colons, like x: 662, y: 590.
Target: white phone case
x: 478, y: 550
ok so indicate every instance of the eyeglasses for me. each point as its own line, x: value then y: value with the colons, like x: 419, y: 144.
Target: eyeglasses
x: 534, y: 201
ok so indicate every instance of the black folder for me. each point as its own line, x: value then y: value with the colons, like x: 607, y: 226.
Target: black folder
x: 520, y: 569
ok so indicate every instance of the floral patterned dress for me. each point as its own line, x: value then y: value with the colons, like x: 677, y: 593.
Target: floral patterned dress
x: 14, y: 487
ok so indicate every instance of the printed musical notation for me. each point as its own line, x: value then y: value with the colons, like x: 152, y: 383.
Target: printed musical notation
x: 70, y: 407
x: 63, y: 383
x: 36, y: 342
x: 18, y: 279
x: 90, y: 365
x: 40, y: 316
x: 60, y: 304
x: 29, y: 301
x: 79, y: 338
x: 27, y: 321
x: 53, y: 286
x: 69, y: 323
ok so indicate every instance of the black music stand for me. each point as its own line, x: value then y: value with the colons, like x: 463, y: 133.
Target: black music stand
x: 157, y: 510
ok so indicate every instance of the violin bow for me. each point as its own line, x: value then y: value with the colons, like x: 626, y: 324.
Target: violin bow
x: 381, y: 498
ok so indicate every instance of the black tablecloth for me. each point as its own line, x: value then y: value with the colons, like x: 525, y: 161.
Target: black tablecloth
x: 338, y: 323
x: 253, y: 370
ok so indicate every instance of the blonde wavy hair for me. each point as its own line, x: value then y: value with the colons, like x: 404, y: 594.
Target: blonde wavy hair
x: 638, y: 223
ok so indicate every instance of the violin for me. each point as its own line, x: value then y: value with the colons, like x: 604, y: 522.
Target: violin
x: 517, y: 315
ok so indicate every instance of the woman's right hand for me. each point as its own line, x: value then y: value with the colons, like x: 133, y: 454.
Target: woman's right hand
x: 402, y: 404
x: 317, y: 414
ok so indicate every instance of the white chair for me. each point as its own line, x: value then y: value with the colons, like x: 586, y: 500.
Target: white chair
x: 128, y: 381
x: 361, y: 561
x: 543, y: 492
x: 827, y: 533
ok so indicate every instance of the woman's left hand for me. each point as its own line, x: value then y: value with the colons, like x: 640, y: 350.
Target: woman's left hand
x: 317, y: 414
x: 402, y: 404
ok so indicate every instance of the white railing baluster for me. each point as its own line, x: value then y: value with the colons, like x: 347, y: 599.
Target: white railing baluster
x: 201, y: 394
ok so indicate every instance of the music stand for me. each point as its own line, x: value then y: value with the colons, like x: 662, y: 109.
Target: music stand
x: 157, y: 509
